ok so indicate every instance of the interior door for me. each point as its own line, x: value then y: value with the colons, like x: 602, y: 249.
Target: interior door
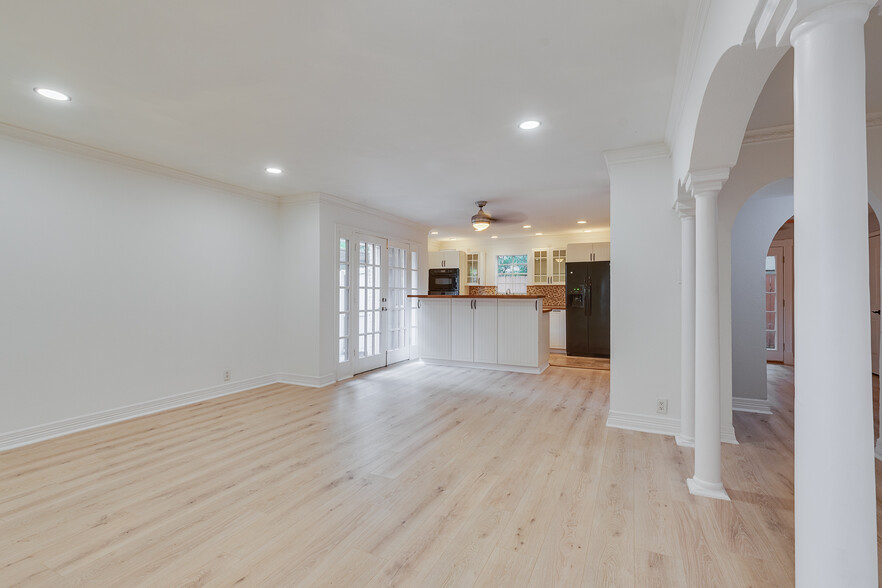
x: 774, y: 316
x: 397, y: 315
x: 874, y: 301
x: 370, y: 302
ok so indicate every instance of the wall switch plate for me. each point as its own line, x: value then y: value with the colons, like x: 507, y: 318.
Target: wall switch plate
x: 227, y: 376
x: 661, y: 406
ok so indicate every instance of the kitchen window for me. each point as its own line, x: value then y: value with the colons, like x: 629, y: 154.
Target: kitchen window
x: 511, y: 274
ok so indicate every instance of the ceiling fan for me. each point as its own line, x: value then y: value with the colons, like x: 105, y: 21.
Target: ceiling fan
x: 482, y: 220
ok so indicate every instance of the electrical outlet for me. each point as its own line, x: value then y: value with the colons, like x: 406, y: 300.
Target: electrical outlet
x: 227, y: 376
x: 661, y: 406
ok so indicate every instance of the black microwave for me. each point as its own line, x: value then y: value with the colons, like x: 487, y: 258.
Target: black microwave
x: 444, y: 281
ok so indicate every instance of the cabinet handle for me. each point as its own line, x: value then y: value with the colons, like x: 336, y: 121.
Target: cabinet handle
x: 536, y: 304
x: 419, y: 305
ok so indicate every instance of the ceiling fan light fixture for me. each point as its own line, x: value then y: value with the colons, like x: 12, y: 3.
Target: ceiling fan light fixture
x: 481, y: 221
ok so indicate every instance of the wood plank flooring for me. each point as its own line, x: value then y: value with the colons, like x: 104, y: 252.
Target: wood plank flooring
x: 409, y: 476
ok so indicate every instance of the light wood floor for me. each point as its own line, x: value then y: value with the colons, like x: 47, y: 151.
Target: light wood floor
x: 410, y: 476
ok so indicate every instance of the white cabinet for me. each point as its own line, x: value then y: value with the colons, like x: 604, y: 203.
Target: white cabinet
x: 474, y: 267
x: 449, y: 258
x: 548, y: 266
x: 557, y: 326
x: 522, y: 333
x: 588, y: 252
x: 473, y: 330
x: 434, y: 327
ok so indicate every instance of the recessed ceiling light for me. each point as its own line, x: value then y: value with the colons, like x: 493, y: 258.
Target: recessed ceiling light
x: 581, y: 222
x: 494, y: 237
x: 273, y: 170
x: 434, y: 233
x: 52, y: 94
x: 538, y: 234
x: 528, y: 226
x: 529, y: 125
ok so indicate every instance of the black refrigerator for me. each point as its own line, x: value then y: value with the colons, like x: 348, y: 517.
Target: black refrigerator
x: 588, y: 308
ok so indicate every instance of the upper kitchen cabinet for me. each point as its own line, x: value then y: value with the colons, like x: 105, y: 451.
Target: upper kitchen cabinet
x: 448, y: 258
x: 548, y: 266
x: 474, y: 267
x: 588, y: 252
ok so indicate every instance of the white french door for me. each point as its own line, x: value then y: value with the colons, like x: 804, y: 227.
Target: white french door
x: 370, y: 304
x: 774, y: 304
x: 379, y: 299
x: 397, y: 348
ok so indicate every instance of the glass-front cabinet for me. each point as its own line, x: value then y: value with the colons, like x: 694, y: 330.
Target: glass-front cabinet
x: 549, y: 266
x: 474, y: 268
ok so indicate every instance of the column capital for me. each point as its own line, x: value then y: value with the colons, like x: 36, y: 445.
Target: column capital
x: 776, y: 21
x: 685, y: 208
x: 705, y: 181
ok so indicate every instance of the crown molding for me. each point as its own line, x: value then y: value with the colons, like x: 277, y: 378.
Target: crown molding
x: 693, y: 31
x: 322, y: 197
x: 638, y: 153
x: 96, y: 154
x: 785, y: 132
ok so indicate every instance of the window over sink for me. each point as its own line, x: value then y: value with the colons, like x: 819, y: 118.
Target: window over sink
x: 511, y: 274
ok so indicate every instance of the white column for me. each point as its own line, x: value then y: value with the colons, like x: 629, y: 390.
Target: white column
x: 707, y: 480
x: 835, y: 509
x: 686, y: 438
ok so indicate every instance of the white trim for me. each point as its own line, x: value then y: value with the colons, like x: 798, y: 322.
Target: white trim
x: 658, y: 425
x: 693, y: 31
x: 313, y: 197
x: 879, y: 449
x: 785, y: 132
x: 638, y: 153
x: 93, y: 153
x: 310, y: 381
x: 106, y: 417
x: 644, y: 423
x: 759, y: 406
x: 487, y: 366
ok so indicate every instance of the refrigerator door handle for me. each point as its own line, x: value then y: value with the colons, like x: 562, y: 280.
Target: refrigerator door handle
x: 588, y: 302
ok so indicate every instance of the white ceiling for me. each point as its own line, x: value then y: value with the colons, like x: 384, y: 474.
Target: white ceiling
x: 408, y: 106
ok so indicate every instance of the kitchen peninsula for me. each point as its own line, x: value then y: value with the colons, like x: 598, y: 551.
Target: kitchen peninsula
x: 499, y: 332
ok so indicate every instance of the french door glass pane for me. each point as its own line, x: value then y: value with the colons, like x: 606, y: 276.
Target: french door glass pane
x: 397, y: 291
x: 771, y: 304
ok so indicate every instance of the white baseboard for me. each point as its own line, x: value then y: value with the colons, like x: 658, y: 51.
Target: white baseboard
x: 106, y: 417
x: 759, y: 406
x: 660, y: 425
x: 311, y: 381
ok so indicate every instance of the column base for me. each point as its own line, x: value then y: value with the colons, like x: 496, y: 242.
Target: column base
x: 684, y: 441
x: 707, y: 489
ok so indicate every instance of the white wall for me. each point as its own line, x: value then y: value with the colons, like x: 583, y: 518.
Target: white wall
x: 755, y: 226
x: 121, y: 287
x: 644, y: 276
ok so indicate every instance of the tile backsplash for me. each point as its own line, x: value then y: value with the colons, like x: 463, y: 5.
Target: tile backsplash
x: 555, y: 296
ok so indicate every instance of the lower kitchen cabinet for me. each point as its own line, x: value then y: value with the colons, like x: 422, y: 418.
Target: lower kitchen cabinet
x: 434, y: 328
x: 557, y: 329
x: 484, y: 332
x: 473, y: 330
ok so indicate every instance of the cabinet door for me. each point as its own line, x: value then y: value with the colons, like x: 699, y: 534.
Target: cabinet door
x: 558, y: 328
x: 601, y: 252
x: 540, y: 266
x: 462, y: 321
x: 558, y: 264
x: 434, y: 321
x: 474, y: 268
x: 450, y: 259
x: 485, y: 330
x: 518, y: 332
